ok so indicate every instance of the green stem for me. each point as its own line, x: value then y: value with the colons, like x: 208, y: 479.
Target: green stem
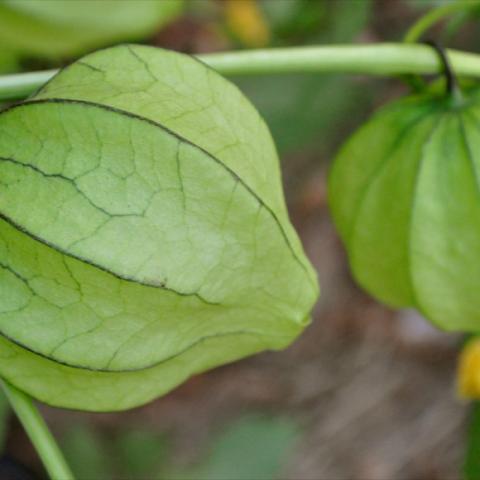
x: 435, y: 15
x: 389, y: 59
x: 38, y: 432
x: 21, y: 85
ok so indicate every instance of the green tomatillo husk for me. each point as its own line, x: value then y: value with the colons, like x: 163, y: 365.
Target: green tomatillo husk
x: 405, y: 195
x: 143, y: 232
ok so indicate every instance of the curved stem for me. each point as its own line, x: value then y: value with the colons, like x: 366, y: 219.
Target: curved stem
x: 38, y: 432
x: 389, y: 59
x: 451, y: 82
x: 435, y: 15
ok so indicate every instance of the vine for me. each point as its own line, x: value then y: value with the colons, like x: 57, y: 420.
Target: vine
x: 382, y: 59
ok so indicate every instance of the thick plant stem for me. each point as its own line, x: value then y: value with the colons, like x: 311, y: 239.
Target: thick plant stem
x: 433, y: 16
x: 38, y: 432
x: 389, y: 59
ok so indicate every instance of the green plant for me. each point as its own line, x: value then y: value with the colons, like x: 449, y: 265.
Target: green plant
x: 262, y: 442
x: 405, y: 202
x: 144, y: 235
x: 56, y: 29
x: 169, y: 249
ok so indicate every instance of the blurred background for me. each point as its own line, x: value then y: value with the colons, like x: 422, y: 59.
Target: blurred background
x: 366, y: 392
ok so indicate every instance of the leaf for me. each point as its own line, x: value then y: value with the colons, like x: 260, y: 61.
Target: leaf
x: 4, y: 413
x: 84, y: 452
x: 141, y: 453
x: 60, y: 28
x: 404, y: 194
x: 145, y: 236
x: 255, y: 447
x: 131, y: 453
x: 472, y: 460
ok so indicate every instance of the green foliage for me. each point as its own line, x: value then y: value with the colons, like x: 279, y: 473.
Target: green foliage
x: 85, y: 453
x: 135, y: 453
x: 8, y: 62
x: 145, y: 236
x: 255, y: 447
x: 306, y: 109
x: 295, y: 18
x: 472, y: 461
x: 62, y: 28
x: 404, y: 194
x: 4, y: 412
x: 140, y: 453
x: 311, y: 111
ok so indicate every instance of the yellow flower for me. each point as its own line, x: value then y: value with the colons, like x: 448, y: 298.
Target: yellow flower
x: 245, y: 20
x: 469, y: 370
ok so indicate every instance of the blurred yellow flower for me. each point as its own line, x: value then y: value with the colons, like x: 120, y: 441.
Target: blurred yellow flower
x: 245, y: 20
x: 469, y: 370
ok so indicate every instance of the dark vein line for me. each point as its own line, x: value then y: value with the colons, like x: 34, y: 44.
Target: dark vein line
x: 180, y: 179
x: 140, y: 369
x: 91, y: 67
x: 142, y: 61
x: 59, y: 176
x: 126, y: 278
x: 16, y: 274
